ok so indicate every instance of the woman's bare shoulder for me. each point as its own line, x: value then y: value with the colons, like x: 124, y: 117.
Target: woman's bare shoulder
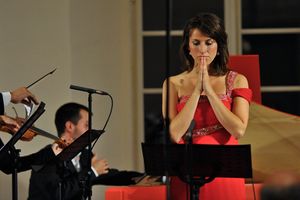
x: 176, y: 80
x: 241, y: 81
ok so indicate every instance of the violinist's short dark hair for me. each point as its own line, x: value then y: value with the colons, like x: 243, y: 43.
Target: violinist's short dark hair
x: 212, y: 26
x: 68, y: 112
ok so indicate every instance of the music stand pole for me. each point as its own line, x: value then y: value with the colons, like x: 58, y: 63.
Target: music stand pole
x: 60, y: 169
x: 168, y: 38
x: 195, y: 184
x: 70, y: 152
x: 16, y: 154
x: 9, y: 148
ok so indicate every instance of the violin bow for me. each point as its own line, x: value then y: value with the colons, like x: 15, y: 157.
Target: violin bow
x: 41, y: 78
x: 44, y: 133
x: 28, y: 109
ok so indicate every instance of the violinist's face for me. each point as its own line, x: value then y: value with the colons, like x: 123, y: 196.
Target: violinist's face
x: 82, y: 125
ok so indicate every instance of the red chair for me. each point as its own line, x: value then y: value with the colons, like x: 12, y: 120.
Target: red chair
x: 248, y: 65
x: 252, y: 190
x: 159, y: 192
x: 136, y: 193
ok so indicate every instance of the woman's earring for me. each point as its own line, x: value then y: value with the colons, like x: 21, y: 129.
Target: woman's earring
x: 218, y: 53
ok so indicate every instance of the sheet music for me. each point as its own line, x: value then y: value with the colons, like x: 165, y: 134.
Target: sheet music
x: 29, y: 109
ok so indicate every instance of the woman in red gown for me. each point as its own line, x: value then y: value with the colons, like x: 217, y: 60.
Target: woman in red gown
x: 216, y: 98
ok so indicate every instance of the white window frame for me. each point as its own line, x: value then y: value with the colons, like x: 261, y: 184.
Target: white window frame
x: 233, y: 26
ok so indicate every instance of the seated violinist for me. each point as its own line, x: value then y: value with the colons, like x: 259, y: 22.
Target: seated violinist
x: 20, y: 95
x: 71, y: 121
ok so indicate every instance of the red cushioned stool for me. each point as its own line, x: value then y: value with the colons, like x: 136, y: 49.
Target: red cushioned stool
x: 136, y: 193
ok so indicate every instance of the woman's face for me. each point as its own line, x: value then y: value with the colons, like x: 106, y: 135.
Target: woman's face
x: 201, y: 46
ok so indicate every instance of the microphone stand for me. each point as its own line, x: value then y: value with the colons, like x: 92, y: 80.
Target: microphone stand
x: 86, y: 184
x: 188, y: 140
x: 194, y: 183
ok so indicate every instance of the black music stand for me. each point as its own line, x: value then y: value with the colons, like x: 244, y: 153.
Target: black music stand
x: 71, y: 151
x: 9, y: 149
x: 198, y: 164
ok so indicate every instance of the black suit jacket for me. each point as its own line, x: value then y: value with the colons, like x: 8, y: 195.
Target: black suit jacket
x: 25, y: 162
x: 45, y: 179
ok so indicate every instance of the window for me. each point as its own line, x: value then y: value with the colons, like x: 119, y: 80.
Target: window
x: 154, y: 55
x: 271, y: 29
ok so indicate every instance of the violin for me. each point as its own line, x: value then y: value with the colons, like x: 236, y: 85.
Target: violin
x: 61, y: 143
x: 33, y: 131
x: 30, y: 133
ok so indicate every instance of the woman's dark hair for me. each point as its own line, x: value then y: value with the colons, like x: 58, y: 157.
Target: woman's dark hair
x: 68, y: 112
x: 212, y: 26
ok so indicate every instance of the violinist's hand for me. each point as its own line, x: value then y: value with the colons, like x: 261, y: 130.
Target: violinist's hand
x: 146, y: 180
x: 60, y: 144
x: 23, y: 95
x: 100, y: 165
x: 56, y: 148
x: 8, y: 124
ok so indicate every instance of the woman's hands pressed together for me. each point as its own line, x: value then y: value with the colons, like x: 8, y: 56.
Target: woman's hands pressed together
x: 203, y: 85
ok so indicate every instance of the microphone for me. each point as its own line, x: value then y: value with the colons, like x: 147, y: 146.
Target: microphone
x: 189, y: 134
x: 89, y: 90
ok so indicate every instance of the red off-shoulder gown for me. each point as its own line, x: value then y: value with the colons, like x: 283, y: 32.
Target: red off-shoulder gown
x: 219, y: 188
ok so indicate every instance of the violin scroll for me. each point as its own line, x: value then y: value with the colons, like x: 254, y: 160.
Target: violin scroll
x: 59, y: 145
